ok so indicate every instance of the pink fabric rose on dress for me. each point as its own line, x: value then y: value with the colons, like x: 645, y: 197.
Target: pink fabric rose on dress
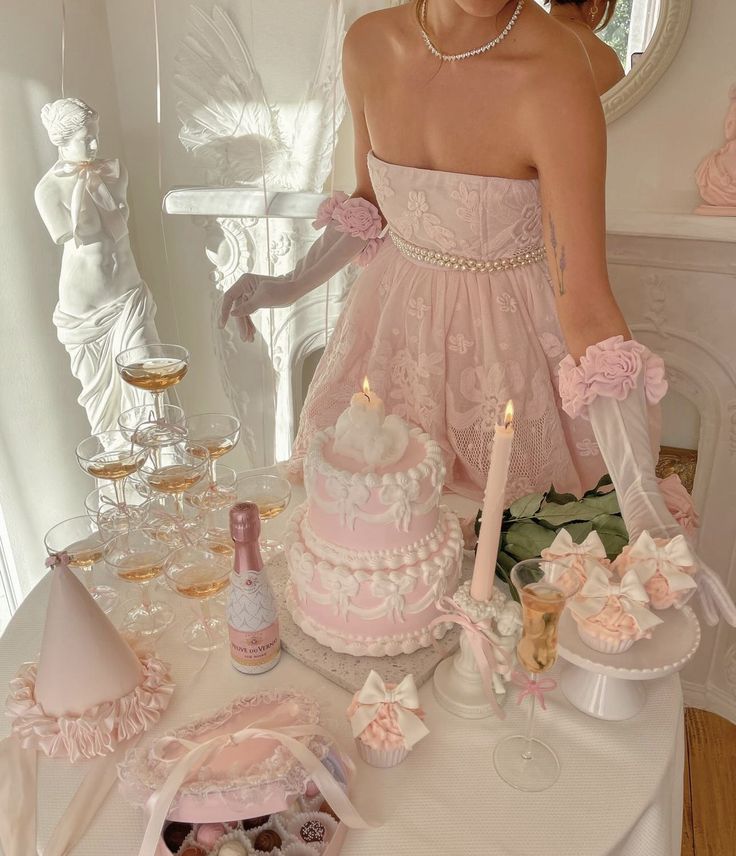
x: 328, y: 207
x: 679, y: 503
x: 359, y: 218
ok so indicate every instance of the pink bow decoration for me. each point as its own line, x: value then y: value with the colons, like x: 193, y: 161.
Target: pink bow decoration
x: 671, y: 559
x: 568, y: 564
x: 630, y: 593
x: 91, y: 177
x: 405, y: 700
x: 55, y: 559
x: 489, y: 653
x: 532, y: 686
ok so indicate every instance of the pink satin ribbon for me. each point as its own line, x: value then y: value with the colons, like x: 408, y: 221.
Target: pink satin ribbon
x: 55, y: 559
x: 489, y: 654
x: 530, y: 686
x: 197, y: 755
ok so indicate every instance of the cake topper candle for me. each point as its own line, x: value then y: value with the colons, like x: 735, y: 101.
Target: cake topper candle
x: 364, y: 433
x: 493, y: 502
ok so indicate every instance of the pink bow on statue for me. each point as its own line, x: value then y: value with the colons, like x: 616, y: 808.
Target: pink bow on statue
x: 55, y: 559
x: 532, y: 686
x: 489, y: 653
x: 404, y: 699
x: 91, y: 177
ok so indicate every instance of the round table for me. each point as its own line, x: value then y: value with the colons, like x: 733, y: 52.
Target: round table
x: 619, y: 792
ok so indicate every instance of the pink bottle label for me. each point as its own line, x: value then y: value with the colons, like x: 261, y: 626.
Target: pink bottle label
x: 255, y: 649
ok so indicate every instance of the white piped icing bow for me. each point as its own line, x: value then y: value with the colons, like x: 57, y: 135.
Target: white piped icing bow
x: 405, y: 699
x: 646, y: 557
x: 564, y: 555
x: 91, y: 177
x: 594, y: 595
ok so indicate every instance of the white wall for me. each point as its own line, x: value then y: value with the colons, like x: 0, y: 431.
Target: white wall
x: 40, y: 482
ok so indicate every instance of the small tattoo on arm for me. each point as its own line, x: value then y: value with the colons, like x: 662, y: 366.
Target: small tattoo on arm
x: 560, y: 258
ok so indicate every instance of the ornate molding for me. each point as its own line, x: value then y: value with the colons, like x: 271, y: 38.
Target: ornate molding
x: 673, y: 21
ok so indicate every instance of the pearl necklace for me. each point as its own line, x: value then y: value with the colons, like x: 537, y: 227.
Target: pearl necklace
x: 482, y: 49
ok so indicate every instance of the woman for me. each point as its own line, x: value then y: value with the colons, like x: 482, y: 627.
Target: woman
x: 584, y: 18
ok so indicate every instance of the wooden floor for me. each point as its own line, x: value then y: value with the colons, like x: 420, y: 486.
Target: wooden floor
x: 709, y: 822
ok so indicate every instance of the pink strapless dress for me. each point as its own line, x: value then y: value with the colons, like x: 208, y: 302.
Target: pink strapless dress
x: 447, y: 348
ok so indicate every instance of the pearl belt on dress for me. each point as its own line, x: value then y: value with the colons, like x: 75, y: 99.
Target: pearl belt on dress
x: 447, y: 260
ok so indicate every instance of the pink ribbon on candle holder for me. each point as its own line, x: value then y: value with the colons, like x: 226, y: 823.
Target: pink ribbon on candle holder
x: 55, y: 559
x: 489, y: 654
x: 531, y: 687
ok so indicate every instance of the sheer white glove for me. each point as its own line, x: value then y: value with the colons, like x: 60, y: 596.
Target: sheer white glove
x: 615, y: 381
x: 352, y: 229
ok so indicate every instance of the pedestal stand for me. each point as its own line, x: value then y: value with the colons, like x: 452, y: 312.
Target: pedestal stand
x: 457, y: 681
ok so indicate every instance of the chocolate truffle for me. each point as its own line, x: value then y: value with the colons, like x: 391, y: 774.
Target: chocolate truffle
x: 193, y: 850
x: 175, y: 833
x: 326, y: 808
x: 209, y: 833
x: 313, y: 831
x: 267, y: 841
x: 253, y: 822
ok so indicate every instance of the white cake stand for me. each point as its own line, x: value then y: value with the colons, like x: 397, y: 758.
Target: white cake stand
x: 611, y: 686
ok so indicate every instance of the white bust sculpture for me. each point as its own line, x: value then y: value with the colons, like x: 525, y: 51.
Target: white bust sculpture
x: 104, y: 306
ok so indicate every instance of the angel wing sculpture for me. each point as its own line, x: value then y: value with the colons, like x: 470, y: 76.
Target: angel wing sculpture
x: 240, y: 136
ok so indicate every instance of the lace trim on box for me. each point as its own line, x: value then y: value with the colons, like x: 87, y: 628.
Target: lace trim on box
x: 142, y: 772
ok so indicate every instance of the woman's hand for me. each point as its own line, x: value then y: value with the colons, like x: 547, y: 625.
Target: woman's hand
x: 250, y: 293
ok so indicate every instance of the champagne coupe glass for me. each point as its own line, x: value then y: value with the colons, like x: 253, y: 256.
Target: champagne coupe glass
x: 112, y: 519
x: 217, y: 432
x: 84, y: 543
x: 175, y: 469
x: 271, y: 493
x: 523, y: 761
x: 175, y: 527
x: 142, y: 427
x: 200, y: 574
x: 110, y: 456
x: 138, y: 556
x: 211, y: 499
x: 154, y: 368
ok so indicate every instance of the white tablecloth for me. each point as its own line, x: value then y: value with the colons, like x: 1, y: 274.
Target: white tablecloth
x: 619, y: 793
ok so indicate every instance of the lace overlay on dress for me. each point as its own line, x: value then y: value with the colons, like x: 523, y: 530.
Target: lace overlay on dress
x: 447, y: 348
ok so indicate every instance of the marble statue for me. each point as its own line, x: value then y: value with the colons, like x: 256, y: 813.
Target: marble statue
x: 104, y: 306
x: 716, y: 175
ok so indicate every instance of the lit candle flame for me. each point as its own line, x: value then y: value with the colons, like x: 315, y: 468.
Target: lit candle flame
x: 508, y: 416
x: 366, y: 388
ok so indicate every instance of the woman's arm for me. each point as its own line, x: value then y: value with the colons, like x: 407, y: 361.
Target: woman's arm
x: 564, y: 121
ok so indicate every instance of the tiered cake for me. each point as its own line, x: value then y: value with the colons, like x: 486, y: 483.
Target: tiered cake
x: 371, y: 550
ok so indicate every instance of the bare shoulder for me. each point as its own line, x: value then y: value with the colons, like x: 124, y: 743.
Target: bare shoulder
x: 376, y: 37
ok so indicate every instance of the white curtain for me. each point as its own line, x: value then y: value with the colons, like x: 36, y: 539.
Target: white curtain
x: 644, y: 17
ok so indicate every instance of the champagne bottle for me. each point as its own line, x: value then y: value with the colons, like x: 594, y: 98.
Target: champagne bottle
x: 253, y: 617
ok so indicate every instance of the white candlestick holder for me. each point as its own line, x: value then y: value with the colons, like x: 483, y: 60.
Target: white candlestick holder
x: 458, y: 686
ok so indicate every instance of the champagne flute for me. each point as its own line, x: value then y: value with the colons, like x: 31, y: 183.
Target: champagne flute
x: 110, y: 456
x: 217, y: 432
x: 138, y: 556
x: 523, y: 761
x: 154, y: 368
x: 199, y: 573
x: 271, y: 493
x: 175, y: 469
x: 142, y: 427
x: 81, y: 539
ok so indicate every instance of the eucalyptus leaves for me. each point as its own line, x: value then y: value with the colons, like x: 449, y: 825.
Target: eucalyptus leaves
x: 532, y: 522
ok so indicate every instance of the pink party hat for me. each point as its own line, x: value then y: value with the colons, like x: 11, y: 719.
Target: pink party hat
x: 84, y: 660
x: 89, y: 690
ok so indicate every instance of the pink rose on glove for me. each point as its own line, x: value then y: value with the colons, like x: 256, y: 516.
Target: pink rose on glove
x: 358, y: 218
x: 679, y: 503
x: 612, y: 367
x: 327, y: 209
x: 573, y: 387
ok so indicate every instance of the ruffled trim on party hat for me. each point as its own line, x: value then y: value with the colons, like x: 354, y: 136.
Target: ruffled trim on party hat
x: 99, y: 729
x: 611, y: 369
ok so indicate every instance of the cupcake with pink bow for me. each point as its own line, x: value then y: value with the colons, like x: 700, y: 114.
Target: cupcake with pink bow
x: 665, y: 567
x: 566, y: 564
x: 612, y: 614
x: 386, y: 720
